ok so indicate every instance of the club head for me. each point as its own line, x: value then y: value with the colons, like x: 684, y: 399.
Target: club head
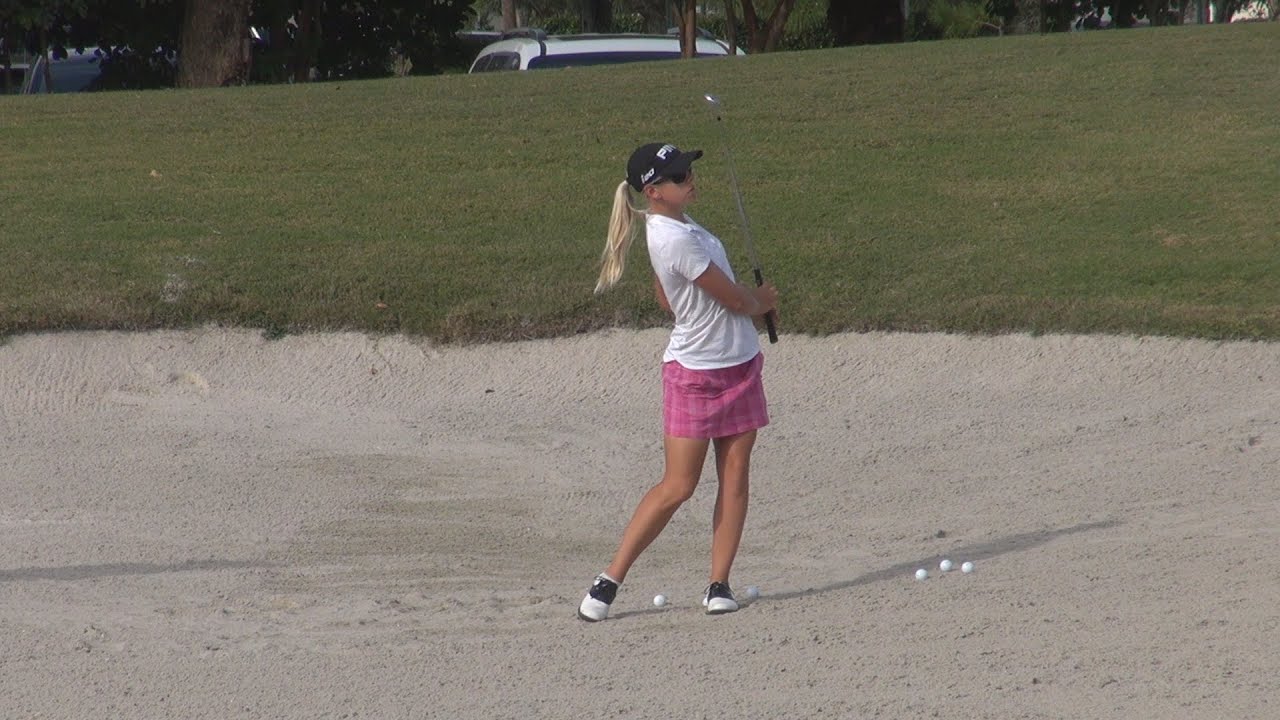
x: 712, y: 100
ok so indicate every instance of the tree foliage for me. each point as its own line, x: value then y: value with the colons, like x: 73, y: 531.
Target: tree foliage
x: 858, y: 22
x: 364, y: 39
x: 298, y: 40
x: 962, y: 19
x: 136, y: 38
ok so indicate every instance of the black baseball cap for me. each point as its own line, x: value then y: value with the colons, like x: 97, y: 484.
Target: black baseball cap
x: 657, y: 160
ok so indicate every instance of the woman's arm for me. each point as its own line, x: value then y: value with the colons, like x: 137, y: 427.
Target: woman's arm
x: 737, y: 298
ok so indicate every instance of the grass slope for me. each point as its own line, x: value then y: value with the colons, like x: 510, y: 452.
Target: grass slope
x: 1093, y: 182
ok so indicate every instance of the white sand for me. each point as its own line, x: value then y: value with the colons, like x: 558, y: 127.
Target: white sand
x: 210, y: 525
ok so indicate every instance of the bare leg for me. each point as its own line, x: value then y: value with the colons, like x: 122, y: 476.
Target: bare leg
x: 684, y: 459
x: 733, y: 466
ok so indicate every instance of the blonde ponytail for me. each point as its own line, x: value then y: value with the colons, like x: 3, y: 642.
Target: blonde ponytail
x: 622, y: 230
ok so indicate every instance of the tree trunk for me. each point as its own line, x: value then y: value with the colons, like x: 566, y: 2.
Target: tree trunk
x: 214, y: 44
x: 765, y: 38
x: 307, y: 41
x: 508, y: 15
x: 6, y: 39
x: 777, y: 24
x: 48, y: 64
x: 689, y: 29
x: 731, y: 29
x: 755, y: 38
x: 1154, y: 14
x: 597, y: 16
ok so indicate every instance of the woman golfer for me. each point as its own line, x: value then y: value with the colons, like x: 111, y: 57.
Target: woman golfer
x: 711, y: 387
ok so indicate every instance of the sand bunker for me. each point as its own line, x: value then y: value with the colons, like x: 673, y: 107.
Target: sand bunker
x: 208, y: 524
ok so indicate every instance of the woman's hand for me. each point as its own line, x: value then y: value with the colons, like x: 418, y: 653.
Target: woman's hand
x: 766, y: 296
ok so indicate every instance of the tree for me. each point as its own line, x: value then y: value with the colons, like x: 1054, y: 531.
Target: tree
x: 1057, y: 15
x: 764, y: 36
x: 1224, y: 10
x: 214, y: 43
x: 137, y: 40
x: 340, y: 39
x: 731, y: 27
x: 360, y: 39
x: 653, y: 14
x: 292, y: 38
x: 962, y: 19
x: 150, y: 43
x: 13, y: 26
x: 597, y: 16
x: 689, y: 29
x: 43, y: 26
x: 1157, y: 11
x: 857, y: 22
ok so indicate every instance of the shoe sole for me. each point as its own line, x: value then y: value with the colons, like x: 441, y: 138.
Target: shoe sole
x: 720, y: 611
x: 584, y: 618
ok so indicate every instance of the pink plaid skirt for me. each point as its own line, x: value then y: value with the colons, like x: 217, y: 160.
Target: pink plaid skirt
x: 713, y: 403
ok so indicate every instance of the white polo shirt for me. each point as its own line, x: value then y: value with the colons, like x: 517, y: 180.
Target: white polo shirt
x: 706, y: 335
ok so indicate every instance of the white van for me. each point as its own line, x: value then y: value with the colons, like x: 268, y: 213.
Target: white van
x: 536, y: 51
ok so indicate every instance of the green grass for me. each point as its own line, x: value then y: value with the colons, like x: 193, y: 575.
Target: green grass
x: 1097, y: 182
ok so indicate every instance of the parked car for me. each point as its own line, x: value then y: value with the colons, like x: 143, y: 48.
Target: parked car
x: 116, y: 68
x: 77, y: 72
x: 534, y: 50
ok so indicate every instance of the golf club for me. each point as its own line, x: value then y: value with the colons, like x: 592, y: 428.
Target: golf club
x: 717, y: 108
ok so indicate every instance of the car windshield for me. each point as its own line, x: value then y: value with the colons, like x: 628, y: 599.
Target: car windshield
x: 497, y: 61
x: 600, y: 58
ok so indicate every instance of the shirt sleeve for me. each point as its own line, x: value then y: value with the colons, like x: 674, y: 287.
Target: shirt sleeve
x: 689, y: 259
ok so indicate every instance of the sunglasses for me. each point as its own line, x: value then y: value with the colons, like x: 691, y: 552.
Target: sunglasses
x: 677, y: 178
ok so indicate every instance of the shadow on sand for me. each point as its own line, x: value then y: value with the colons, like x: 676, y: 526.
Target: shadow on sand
x: 88, y: 572
x: 975, y: 553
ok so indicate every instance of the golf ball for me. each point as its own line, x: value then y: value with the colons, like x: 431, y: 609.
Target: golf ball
x: 922, y: 574
x: 659, y: 600
x: 945, y: 566
x: 753, y: 592
x: 966, y: 568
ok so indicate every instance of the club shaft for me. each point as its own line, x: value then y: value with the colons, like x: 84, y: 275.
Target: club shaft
x: 737, y: 199
x: 769, y: 322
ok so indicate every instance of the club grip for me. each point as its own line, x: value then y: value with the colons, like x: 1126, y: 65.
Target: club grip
x: 768, y: 317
